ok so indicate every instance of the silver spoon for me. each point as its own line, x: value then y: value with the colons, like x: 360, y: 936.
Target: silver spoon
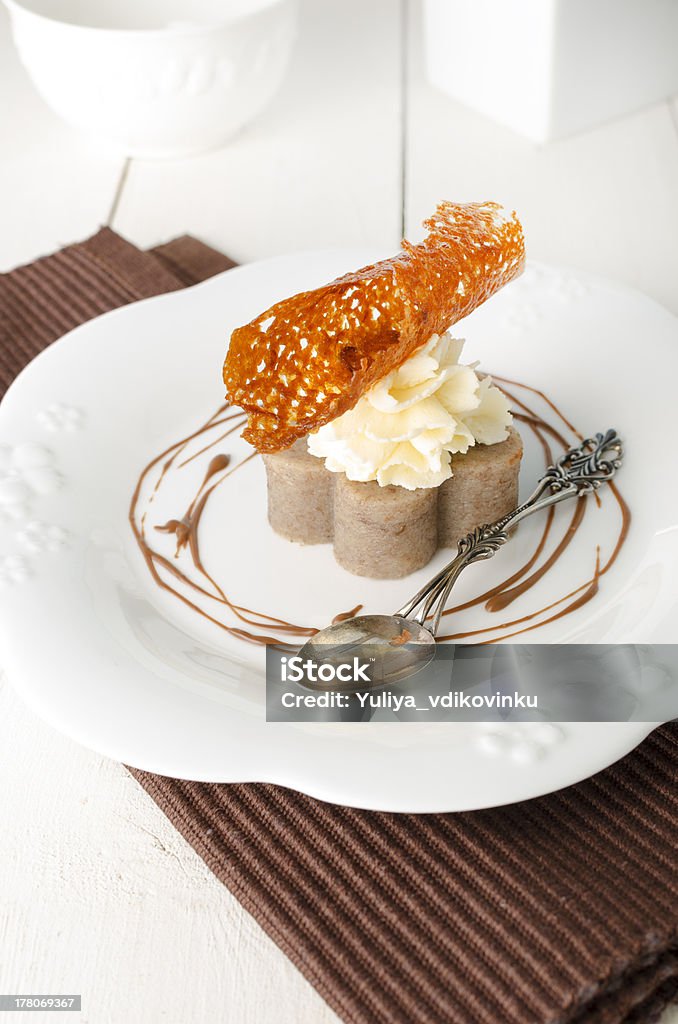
x: 577, y: 472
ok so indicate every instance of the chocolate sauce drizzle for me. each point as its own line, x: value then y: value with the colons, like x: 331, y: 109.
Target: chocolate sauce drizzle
x: 196, y: 582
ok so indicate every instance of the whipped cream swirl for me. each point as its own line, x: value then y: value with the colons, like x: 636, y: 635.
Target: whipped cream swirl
x: 405, y: 428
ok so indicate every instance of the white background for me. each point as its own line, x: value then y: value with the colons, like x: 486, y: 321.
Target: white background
x: 100, y: 894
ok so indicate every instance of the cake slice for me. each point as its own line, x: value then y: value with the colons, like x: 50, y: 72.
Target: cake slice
x: 375, y: 436
x: 389, y: 532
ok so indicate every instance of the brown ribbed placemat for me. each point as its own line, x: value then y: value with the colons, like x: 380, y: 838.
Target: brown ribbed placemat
x: 561, y: 909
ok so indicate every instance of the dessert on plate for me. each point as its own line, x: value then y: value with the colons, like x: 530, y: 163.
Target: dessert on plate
x: 375, y: 435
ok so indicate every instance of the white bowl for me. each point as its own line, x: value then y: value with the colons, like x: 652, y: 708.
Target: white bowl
x: 156, y: 78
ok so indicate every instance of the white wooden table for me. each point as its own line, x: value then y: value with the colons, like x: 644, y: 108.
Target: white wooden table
x: 100, y: 894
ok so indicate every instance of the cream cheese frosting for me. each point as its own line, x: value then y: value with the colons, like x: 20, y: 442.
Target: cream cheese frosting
x: 405, y: 428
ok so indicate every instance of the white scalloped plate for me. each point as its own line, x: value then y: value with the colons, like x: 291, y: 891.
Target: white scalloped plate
x: 100, y: 653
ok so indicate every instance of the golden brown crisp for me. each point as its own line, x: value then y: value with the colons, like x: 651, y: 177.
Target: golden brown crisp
x: 309, y: 358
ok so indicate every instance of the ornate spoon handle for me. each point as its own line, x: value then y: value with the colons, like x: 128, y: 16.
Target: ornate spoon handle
x: 577, y: 472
